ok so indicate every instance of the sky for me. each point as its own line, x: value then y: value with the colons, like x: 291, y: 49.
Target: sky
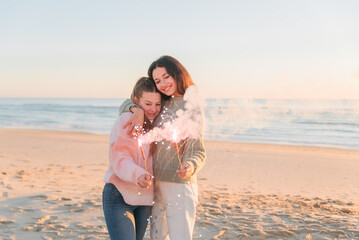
x: 232, y: 49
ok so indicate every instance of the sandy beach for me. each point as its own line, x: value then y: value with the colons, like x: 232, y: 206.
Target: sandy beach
x: 51, y: 185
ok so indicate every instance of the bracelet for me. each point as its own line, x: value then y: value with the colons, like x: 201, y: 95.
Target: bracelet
x: 132, y: 107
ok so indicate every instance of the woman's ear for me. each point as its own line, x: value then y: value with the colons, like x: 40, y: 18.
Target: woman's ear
x: 135, y: 100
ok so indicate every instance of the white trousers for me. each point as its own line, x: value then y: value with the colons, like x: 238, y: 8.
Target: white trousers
x: 174, y: 211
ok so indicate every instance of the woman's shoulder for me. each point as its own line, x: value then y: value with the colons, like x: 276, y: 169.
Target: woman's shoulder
x: 123, y: 119
x: 125, y: 116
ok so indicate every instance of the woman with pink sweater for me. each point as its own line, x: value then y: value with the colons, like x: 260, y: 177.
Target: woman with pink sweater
x: 128, y: 192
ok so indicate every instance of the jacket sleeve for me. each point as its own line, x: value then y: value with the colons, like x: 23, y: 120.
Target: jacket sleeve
x: 194, y: 153
x: 125, y: 106
x: 123, y: 152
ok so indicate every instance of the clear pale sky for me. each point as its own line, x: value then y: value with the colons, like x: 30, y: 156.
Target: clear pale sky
x: 232, y: 49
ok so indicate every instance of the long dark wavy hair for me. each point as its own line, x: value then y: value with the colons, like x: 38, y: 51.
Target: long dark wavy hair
x: 175, y: 69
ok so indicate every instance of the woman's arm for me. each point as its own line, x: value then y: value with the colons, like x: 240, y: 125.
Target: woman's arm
x: 193, y: 158
x: 126, y: 106
x: 137, y: 119
x: 123, y: 151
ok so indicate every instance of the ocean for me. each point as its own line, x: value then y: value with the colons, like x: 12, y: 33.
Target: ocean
x: 321, y: 123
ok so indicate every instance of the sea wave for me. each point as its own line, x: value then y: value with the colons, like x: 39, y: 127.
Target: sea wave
x: 332, y: 123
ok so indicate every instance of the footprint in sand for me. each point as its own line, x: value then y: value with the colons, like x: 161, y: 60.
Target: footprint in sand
x: 39, y: 196
x: 42, y: 224
x: 47, y: 238
x: 202, y: 178
x: 83, y: 226
x: 78, y: 207
x: 219, y: 235
x: 45, y: 219
x: 92, y: 202
x: 24, y: 160
x: 33, y: 228
x: 21, y: 209
x: 308, y: 237
x: 21, y: 174
x: 77, y: 210
x: 47, y: 170
x: 6, y: 221
x: 97, y: 170
x: 65, y: 199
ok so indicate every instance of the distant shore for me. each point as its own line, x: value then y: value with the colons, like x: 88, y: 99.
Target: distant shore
x: 51, y: 186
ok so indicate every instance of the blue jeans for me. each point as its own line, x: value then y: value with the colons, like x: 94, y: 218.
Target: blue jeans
x: 124, y: 222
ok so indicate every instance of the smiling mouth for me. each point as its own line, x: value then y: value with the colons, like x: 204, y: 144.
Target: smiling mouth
x: 151, y: 115
x: 167, y: 88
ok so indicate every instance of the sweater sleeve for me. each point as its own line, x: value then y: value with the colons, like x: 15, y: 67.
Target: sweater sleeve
x: 123, y: 152
x: 125, y: 106
x: 194, y: 153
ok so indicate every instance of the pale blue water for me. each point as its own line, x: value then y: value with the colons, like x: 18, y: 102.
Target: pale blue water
x: 332, y: 123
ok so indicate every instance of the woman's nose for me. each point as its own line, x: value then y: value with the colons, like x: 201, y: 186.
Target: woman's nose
x: 163, y: 82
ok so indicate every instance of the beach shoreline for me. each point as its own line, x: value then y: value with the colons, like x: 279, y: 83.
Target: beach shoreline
x: 245, y: 144
x: 51, y: 185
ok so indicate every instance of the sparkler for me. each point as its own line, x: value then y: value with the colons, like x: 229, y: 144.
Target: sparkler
x: 143, y: 154
x: 176, y: 146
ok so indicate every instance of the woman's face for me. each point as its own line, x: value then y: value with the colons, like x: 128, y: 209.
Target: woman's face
x: 165, y: 83
x: 150, y: 102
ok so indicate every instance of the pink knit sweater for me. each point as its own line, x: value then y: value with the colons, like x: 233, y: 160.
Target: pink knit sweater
x: 126, y: 164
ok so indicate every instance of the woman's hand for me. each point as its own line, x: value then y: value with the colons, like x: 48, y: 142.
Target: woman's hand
x: 144, y: 181
x: 186, y: 172
x: 136, y: 122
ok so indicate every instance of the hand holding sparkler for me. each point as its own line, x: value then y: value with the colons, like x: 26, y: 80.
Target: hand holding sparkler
x: 186, y: 172
x: 144, y: 181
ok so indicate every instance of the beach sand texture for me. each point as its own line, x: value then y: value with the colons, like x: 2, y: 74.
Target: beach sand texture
x: 51, y: 186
